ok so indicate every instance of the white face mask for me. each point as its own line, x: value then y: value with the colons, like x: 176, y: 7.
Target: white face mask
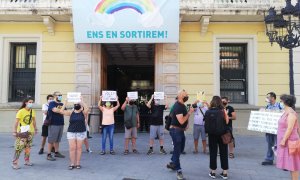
x: 267, y: 100
x: 282, y: 105
x: 49, y: 101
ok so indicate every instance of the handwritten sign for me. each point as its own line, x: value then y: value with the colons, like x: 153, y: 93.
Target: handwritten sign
x: 73, y: 97
x: 159, y: 95
x: 109, y: 96
x: 266, y: 122
x: 132, y: 95
x: 201, y: 96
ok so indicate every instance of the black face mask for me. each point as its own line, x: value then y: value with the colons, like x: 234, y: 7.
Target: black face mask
x: 186, y: 98
x: 131, y: 102
x: 77, y: 106
x: 225, y: 104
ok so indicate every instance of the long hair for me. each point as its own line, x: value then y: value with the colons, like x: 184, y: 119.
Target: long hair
x: 25, y: 101
x: 216, y: 102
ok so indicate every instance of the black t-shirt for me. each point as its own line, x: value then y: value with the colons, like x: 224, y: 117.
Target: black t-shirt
x: 229, y: 110
x: 157, y: 115
x: 56, y: 118
x: 178, y: 108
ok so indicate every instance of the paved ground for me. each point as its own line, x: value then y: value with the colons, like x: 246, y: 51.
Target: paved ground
x: 249, y: 154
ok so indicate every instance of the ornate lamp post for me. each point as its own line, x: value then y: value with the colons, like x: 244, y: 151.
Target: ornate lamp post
x: 284, y: 29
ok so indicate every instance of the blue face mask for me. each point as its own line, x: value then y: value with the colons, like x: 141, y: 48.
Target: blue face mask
x: 282, y: 105
x: 199, y: 104
x: 59, y: 98
x: 29, y: 105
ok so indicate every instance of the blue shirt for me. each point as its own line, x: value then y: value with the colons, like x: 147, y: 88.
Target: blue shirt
x: 56, y: 118
x: 275, y: 106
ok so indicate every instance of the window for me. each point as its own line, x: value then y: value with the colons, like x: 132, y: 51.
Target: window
x: 22, y: 71
x: 233, y: 72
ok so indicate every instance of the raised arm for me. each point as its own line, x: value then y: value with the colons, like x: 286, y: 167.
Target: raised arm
x: 182, y: 119
x: 124, y: 104
x: 166, y: 102
x: 63, y: 111
x: 99, y: 104
x: 85, y: 107
x: 118, y: 104
x: 150, y: 101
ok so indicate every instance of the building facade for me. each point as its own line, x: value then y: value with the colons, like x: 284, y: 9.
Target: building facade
x: 222, y: 50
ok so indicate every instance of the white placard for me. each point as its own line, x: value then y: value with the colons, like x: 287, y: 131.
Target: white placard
x: 109, y: 96
x: 132, y: 95
x: 74, y: 97
x: 159, y: 95
x: 264, y: 121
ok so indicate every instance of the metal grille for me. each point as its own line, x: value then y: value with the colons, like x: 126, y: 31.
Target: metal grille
x: 22, y: 71
x: 233, y: 72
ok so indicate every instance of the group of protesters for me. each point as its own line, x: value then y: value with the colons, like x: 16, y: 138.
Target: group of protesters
x: 212, y: 119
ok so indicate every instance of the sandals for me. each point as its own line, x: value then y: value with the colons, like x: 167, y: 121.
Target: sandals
x: 231, y: 155
x: 195, y: 152
x: 135, y: 151
x: 15, y: 166
x: 78, y: 167
x: 28, y: 164
x: 71, y: 167
x: 126, y: 152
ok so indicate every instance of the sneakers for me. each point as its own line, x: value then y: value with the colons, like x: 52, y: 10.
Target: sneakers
x: 50, y: 157
x: 102, y: 153
x: 224, y: 176
x: 41, y: 151
x: 150, y: 152
x: 162, y: 151
x: 57, y: 154
x: 212, y: 175
x: 112, y: 152
x: 179, y: 175
x: 171, y: 166
x: 89, y: 150
x: 267, y: 163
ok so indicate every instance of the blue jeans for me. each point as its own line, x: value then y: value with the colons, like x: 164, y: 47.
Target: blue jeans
x: 178, y: 139
x: 271, y: 140
x: 108, y: 130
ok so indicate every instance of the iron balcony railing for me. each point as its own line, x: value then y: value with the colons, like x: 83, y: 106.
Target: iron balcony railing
x: 184, y: 4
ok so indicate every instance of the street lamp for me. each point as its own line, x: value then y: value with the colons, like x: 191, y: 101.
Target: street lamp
x: 284, y: 29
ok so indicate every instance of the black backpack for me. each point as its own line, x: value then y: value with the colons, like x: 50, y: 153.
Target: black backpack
x: 215, y: 122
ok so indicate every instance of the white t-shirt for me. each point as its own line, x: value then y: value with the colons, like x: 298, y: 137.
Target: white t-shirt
x: 198, y: 116
x: 45, y: 109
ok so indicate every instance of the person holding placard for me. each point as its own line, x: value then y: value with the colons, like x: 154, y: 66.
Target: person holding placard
x: 56, y: 127
x: 271, y: 138
x: 23, y: 130
x: 156, y: 123
x: 288, y: 132
x: 132, y: 122
x: 76, y: 131
x: 108, y: 122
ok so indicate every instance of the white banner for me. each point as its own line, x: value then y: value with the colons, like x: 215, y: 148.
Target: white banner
x: 159, y: 95
x: 132, y: 95
x: 73, y: 97
x: 264, y: 121
x: 109, y: 96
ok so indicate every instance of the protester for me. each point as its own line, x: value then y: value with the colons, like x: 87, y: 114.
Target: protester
x: 132, y: 121
x: 76, y: 131
x: 108, y: 126
x: 216, y: 119
x: 156, y: 124
x: 288, y: 131
x: 45, y: 127
x: 271, y: 138
x: 56, y: 127
x: 24, y: 130
x: 179, y: 123
x: 199, y: 129
x: 232, y: 116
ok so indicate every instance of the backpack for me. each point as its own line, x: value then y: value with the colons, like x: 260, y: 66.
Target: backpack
x: 168, y: 120
x: 215, y: 122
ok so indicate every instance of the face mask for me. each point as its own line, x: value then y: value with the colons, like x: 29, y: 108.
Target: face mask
x: 186, y: 98
x: 49, y: 101
x: 59, y: 98
x: 77, y: 106
x: 131, y: 102
x: 156, y: 102
x: 267, y: 100
x: 282, y: 105
x: 225, y: 104
x: 29, y: 105
x: 107, y: 104
x: 199, y: 104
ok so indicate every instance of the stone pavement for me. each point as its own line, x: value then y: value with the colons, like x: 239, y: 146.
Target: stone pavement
x: 250, y: 151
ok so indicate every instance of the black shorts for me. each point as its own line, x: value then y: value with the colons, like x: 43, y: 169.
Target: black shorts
x: 45, y: 131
